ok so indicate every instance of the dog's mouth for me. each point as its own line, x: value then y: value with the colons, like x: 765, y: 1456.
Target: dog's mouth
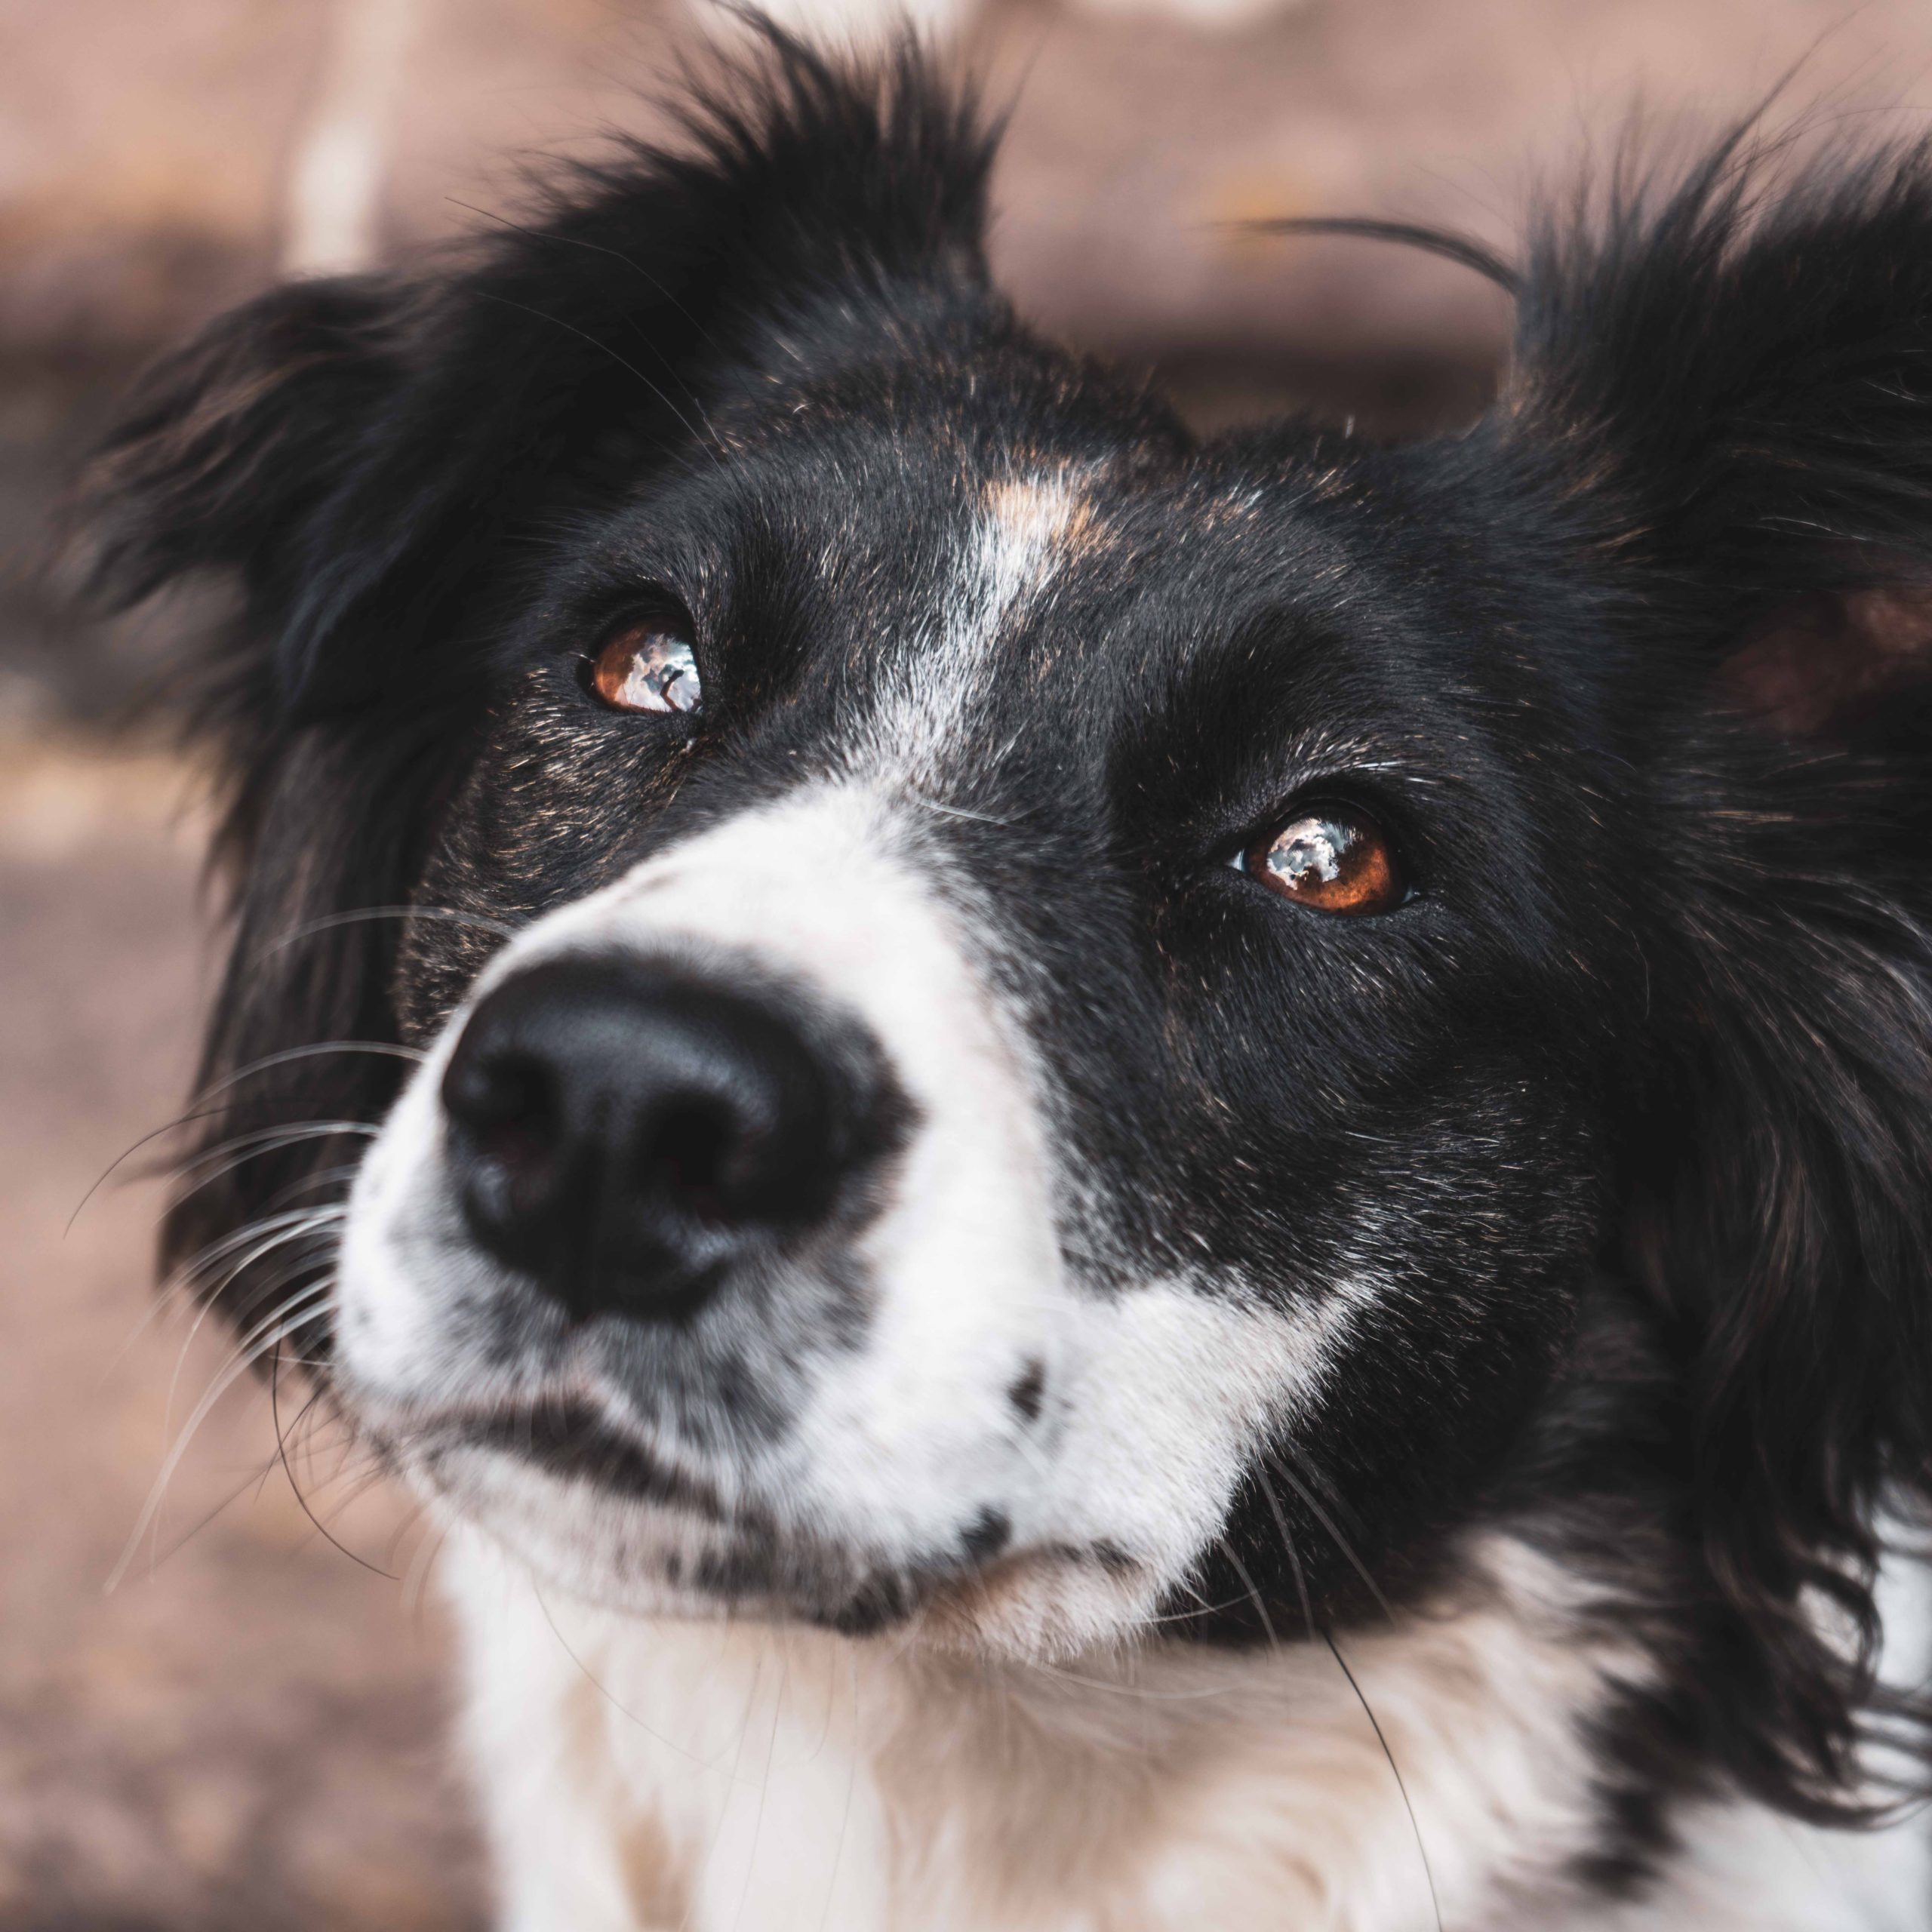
x: 570, y: 1440
x: 677, y: 1530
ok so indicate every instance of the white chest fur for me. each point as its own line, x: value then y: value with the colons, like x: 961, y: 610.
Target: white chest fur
x: 733, y: 1778
x: 728, y: 1778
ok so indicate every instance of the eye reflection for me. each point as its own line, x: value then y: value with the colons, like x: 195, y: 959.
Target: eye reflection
x: 647, y: 666
x: 1331, y: 859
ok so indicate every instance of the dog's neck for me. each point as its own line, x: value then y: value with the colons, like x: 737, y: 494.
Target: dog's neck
x: 725, y: 1776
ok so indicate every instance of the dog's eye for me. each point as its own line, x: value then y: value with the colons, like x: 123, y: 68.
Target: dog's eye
x: 647, y: 665
x: 1332, y: 858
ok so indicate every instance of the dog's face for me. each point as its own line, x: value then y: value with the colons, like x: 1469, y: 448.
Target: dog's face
x: 1065, y: 995
x: 1035, y: 1024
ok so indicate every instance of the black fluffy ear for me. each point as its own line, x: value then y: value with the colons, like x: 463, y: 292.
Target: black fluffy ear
x: 220, y: 466
x: 360, y: 452
x: 378, y: 464
x: 1730, y: 381
x: 225, y: 450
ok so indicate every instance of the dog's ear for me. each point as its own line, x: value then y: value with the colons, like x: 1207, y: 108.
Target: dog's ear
x: 377, y: 465
x: 360, y: 452
x: 1729, y: 384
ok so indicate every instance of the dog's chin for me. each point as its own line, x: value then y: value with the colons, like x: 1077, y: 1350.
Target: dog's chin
x: 595, y: 1518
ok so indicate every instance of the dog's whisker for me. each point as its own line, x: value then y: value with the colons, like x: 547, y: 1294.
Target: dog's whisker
x: 229, y: 1497
x: 1203, y: 1693
x: 1288, y: 1548
x: 289, y: 1133
x: 1328, y: 1522
x: 332, y: 921
x: 302, y: 1290
x: 1188, y: 1617
x: 313, y: 1050
x: 298, y: 1278
x: 336, y: 1178
x: 286, y: 1283
x: 288, y: 1470
x: 290, y: 1223
x: 258, y: 1344
x: 698, y: 441
x: 551, y: 238
x: 957, y: 811
x: 231, y: 1155
x: 302, y: 1439
x: 604, y: 1691
x: 254, y: 1244
x: 1395, y: 1769
x: 1250, y: 1593
x: 422, y: 1565
x: 195, y: 1113
x: 1327, y: 1637
x: 411, y: 1524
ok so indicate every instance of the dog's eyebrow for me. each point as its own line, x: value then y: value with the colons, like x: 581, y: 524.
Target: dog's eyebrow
x: 1442, y: 241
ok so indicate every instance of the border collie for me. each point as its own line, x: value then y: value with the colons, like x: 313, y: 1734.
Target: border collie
x: 1106, y: 1180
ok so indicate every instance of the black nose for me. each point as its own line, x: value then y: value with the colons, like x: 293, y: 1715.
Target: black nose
x: 623, y: 1132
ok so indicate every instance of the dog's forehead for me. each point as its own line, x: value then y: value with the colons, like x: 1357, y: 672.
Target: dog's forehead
x: 999, y: 634
x: 1023, y: 547
x: 1047, y: 608
x: 1017, y: 619
x: 925, y: 552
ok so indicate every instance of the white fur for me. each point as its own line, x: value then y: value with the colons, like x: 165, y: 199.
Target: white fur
x: 727, y: 1778
x: 1021, y: 533
x: 1745, y: 1868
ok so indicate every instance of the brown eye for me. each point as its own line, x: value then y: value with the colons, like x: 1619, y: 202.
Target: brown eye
x: 647, y: 665
x: 1332, y: 859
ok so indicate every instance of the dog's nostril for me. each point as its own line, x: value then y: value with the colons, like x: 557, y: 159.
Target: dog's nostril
x: 688, y: 1153
x: 508, y: 1107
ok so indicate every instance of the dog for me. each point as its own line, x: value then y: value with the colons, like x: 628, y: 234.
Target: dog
x: 1105, y: 1179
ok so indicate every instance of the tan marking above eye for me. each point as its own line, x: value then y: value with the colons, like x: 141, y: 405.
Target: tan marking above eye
x: 1330, y: 858
x: 647, y: 665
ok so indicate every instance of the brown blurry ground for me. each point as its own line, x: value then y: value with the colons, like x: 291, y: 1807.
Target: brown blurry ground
x: 247, y: 1732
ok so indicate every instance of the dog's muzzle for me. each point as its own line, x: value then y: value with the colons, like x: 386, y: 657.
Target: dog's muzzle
x: 711, y: 1255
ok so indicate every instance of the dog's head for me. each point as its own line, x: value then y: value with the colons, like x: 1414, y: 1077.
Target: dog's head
x: 1026, y: 1021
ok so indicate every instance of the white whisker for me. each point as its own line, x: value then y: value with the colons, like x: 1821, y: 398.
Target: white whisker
x: 291, y: 1227
x: 285, y: 1322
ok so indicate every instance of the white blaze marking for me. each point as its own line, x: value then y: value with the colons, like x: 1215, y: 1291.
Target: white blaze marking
x: 1026, y: 529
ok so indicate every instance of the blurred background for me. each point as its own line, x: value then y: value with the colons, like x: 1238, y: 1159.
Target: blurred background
x: 247, y: 1730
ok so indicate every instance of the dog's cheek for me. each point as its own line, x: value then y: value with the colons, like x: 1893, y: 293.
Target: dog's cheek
x: 1166, y: 1394
x: 552, y: 809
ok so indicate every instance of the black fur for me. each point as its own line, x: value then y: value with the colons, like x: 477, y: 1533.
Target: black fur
x: 1634, y: 1100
